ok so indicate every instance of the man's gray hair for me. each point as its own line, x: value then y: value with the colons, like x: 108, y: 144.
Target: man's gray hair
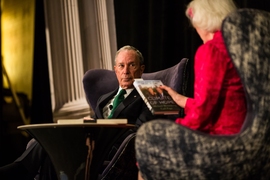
x: 128, y: 47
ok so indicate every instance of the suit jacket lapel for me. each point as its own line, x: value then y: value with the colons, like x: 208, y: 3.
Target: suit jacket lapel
x: 103, y: 101
x: 127, y: 101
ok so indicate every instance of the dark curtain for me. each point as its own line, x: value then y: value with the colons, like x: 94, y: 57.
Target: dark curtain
x: 41, y: 110
x: 160, y: 29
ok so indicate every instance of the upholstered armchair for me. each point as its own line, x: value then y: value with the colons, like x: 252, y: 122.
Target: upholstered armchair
x: 100, y: 81
x: 166, y: 150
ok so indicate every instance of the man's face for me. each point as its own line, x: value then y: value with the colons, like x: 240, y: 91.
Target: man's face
x: 127, y: 67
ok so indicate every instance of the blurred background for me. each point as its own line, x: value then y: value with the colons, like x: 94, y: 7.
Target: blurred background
x: 47, y: 46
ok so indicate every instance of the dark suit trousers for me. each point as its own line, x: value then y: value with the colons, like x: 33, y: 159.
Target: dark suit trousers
x: 28, y: 165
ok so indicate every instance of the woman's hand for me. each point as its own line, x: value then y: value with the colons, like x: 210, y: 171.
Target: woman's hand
x: 139, y: 176
x: 178, y: 98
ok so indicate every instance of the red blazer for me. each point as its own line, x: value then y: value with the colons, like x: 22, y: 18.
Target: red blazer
x: 219, y: 104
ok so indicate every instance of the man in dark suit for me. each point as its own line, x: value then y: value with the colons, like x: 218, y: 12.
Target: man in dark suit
x: 129, y: 64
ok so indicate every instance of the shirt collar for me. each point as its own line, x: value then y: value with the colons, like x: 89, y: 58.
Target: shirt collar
x: 127, y: 90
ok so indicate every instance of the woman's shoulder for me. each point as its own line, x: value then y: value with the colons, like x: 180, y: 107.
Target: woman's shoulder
x: 216, y: 45
x: 217, y: 40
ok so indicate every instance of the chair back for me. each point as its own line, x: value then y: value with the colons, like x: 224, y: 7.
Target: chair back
x: 247, y: 37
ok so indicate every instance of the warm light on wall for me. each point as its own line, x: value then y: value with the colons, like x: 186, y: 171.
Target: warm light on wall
x: 17, y: 30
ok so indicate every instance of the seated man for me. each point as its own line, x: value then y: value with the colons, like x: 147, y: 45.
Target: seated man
x: 129, y: 64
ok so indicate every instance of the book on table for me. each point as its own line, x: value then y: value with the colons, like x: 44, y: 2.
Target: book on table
x: 91, y: 120
x: 157, y: 100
